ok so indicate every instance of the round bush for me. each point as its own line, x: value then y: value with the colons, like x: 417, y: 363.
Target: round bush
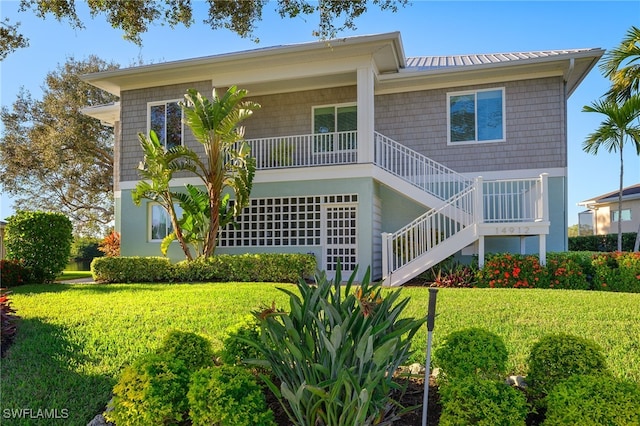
x: 473, y: 401
x: 556, y: 357
x: 152, y: 391
x: 227, y: 396
x: 235, y: 350
x: 472, y: 352
x: 41, y: 241
x: 192, y: 349
x: 593, y: 400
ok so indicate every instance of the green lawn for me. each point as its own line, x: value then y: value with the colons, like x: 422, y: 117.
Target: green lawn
x: 74, y: 339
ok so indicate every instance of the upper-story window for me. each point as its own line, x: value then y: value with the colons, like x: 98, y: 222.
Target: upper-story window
x: 165, y: 118
x: 476, y: 116
x: 340, y: 120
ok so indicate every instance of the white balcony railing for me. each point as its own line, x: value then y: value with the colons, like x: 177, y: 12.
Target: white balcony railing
x: 322, y: 149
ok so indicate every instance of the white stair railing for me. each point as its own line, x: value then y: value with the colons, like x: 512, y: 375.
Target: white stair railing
x: 429, y: 230
x: 417, y: 169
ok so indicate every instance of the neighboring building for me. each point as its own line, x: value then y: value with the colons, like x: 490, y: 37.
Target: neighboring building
x: 2, y: 249
x: 383, y: 155
x: 604, y: 211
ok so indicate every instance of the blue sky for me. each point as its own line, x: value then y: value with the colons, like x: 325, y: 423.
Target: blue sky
x: 427, y: 28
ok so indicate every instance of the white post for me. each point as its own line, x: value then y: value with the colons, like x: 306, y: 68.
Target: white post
x: 385, y: 256
x: 366, y: 114
x: 481, y: 251
x: 478, y: 208
x: 544, y: 199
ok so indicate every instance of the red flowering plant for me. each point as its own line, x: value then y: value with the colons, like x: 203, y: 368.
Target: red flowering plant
x: 13, y: 273
x: 565, y: 273
x: 8, y: 320
x: 507, y: 270
x: 617, y: 271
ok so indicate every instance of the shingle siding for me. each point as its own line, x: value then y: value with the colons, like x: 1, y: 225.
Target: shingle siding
x: 133, y: 104
x: 535, y: 123
x: 289, y: 114
x: 535, y: 127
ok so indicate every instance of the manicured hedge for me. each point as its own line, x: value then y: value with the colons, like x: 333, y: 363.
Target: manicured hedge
x: 268, y: 267
x: 602, y: 243
x: 131, y: 269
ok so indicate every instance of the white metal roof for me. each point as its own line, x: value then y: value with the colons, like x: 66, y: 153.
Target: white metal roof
x: 424, y: 63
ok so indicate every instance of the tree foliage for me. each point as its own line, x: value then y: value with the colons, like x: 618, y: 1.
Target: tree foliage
x: 239, y: 16
x: 41, y: 241
x: 622, y: 66
x: 53, y: 157
x: 620, y: 125
x: 227, y: 167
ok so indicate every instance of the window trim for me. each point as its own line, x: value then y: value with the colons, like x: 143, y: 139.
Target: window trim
x: 475, y: 92
x: 165, y: 102
x: 335, y: 107
x: 150, y: 206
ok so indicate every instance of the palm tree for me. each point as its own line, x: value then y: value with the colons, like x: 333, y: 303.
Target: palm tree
x: 622, y: 66
x: 620, y: 124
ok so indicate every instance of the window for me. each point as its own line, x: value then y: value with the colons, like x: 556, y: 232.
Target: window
x: 160, y: 222
x: 328, y: 120
x: 626, y: 215
x: 165, y: 118
x: 476, y: 116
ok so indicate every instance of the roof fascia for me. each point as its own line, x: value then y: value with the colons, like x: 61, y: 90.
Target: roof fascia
x: 385, y: 49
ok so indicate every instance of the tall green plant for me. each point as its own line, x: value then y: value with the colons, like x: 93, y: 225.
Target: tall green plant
x: 41, y: 241
x: 336, y: 351
x: 226, y: 168
x: 620, y: 124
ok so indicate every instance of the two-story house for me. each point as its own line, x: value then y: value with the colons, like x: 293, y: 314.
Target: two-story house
x: 368, y: 157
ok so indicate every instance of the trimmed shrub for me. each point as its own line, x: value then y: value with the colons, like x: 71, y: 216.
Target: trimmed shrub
x: 192, y: 349
x: 507, y: 270
x: 235, y: 349
x: 472, y: 352
x: 13, y: 273
x: 152, y: 391
x: 227, y: 396
x: 264, y: 267
x: 602, y: 243
x: 556, y: 357
x: 336, y: 352
x: 8, y: 319
x: 617, y: 272
x: 41, y: 241
x: 563, y: 272
x: 593, y: 400
x: 473, y: 401
x: 131, y: 269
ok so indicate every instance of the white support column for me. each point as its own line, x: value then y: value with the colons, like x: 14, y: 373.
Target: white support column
x: 544, y: 199
x: 366, y: 114
x: 523, y: 245
x: 481, y: 251
x: 478, y: 208
x: 543, y: 249
x: 386, y: 276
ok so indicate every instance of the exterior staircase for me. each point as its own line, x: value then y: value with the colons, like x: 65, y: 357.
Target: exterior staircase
x: 463, y: 211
